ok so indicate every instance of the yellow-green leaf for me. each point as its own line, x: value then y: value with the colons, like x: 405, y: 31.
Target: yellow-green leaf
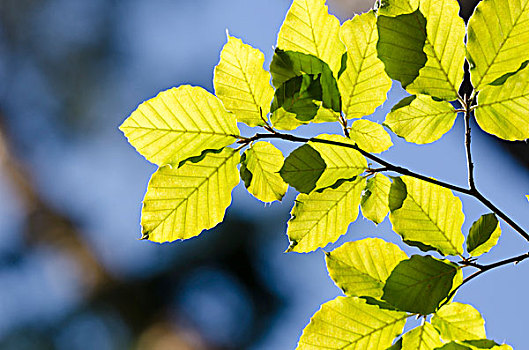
x: 350, y: 323
x: 445, y: 48
x: 283, y: 120
x: 241, y: 82
x: 397, y: 7
x: 424, y: 337
x: 182, y: 202
x: 503, y: 110
x: 420, y: 119
x: 484, y: 234
x: 341, y: 162
x: 370, y: 136
x: 309, y: 28
x: 263, y: 160
x: 458, y: 321
x: 322, y: 217
x: 429, y: 216
x: 498, y: 39
x: 364, y: 84
x: 360, y: 268
x: 375, y: 198
x: 178, y: 124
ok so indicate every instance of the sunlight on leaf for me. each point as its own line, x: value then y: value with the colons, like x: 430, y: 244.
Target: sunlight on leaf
x: 424, y: 337
x: 364, y: 84
x: 398, y: 7
x: 458, y: 321
x: 182, y: 202
x: 241, y: 82
x: 375, y: 199
x: 179, y: 123
x: 263, y: 161
x: 420, y: 119
x: 350, y: 323
x: 498, y: 39
x: 361, y: 268
x: 370, y: 136
x: 321, y: 218
x: 430, y: 216
x: 309, y: 28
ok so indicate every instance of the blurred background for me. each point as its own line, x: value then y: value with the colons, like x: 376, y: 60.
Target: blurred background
x: 73, y: 274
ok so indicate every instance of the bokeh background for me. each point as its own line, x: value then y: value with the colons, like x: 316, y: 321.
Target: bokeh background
x: 73, y: 274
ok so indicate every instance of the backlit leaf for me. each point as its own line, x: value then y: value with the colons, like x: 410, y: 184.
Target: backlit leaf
x: 241, y: 82
x: 179, y: 123
x: 298, y: 96
x: 264, y: 161
x: 498, y: 39
x: 484, y: 234
x: 453, y: 346
x: 419, y: 284
x: 350, y: 323
x: 320, y: 218
x: 309, y: 28
x: 424, y: 337
x: 430, y: 216
x: 370, y: 136
x: 458, y: 321
x: 360, y: 268
x: 364, y: 84
x: 445, y: 47
x: 302, y: 168
x: 485, y: 344
x: 181, y: 202
x: 340, y: 162
x: 375, y: 199
x: 504, y: 110
x: 420, y: 119
x: 397, y: 7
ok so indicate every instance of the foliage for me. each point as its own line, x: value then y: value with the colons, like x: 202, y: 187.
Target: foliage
x: 326, y: 72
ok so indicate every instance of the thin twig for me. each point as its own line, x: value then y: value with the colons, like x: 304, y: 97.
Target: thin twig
x: 470, y: 164
x: 345, y: 128
x: 398, y: 169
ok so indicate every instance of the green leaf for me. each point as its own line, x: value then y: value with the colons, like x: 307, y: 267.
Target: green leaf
x: 424, y: 337
x: 501, y: 80
x: 364, y: 83
x: 498, y: 39
x: 241, y: 82
x: 309, y: 28
x: 298, y: 96
x: 340, y: 162
x: 453, y: 346
x: 445, y: 48
x: 430, y: 217
x: 458, y: 321
x: 375, y: 198
x: 350, y: 323
x: 419, y: 284
x: 264, y: 161
x: 504, y: 110
x: 178, y: 124
x: 484, y: 234
x: 283, y: 120
x: 360, y: 268
x: 287, y: 65
x: 322, y: 217
x: 370, y: 136
x: 421, y: 119
x: 401, y: 40
x: 302, y: 168
x: 486, y: 344
x: 181, y: 202
x: 397, y: 7
x: 396, y: 346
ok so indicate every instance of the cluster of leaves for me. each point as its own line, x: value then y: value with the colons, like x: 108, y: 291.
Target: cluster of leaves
x: 326, y: 72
